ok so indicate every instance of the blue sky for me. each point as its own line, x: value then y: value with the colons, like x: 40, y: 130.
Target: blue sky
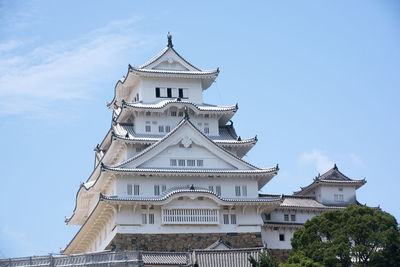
x: 317, y: 81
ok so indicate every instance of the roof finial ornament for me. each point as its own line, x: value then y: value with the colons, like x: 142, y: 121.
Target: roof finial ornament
x: 335, y: 167
x: 170, y: 45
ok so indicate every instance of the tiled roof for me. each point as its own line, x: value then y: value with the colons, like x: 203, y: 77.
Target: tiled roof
x: 164, y: 103
x: 333, y: 176
x: 225, y: 258
x: 227, y: 135
x: 191, y: 171
x: 165, y: 258
x: 177, y: 190
x: 187, y: 74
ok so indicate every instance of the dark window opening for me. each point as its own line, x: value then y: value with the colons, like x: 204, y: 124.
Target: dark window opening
x: 180, y: 92
x: 157, y: 92
x: 169, y: 92
x: 281, y: 237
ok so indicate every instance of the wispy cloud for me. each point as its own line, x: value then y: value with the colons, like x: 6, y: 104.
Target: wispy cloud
x: 62, y: 71
x: 317, y: 158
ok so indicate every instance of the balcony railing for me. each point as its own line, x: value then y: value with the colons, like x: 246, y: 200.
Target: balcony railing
x: 190, y: 216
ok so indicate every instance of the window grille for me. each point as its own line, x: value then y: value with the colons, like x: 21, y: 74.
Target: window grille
x: 211, y: 188
x: 136, y: 189
x: 233, y: 218
x: 181, y: 162
x: 293, y: 217
x: 151, y: 218
x: 190, y: 216
x: 244, y: 190
x: 286, y: 217
x: 173, y: 113
x: 226, y: 218
x: 129, y: 189
x: 163, y: 188
x: 172, y: 162
x: 156, y: 190
x: 206, y: 130
x: 191, y: 162
x: 148, y: 128
x: 144, y: 218
x: 167, y: 129
x: 200, y: 163
x: 237, y: 191
x: 161, y: 128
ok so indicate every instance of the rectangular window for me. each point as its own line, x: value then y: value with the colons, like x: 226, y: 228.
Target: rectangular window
x: 181, y: 162
x: 144, y: 218
x: 148, y: 113
x: 237, y: 191
x: 148, y: 128
x: 136, y: 189
x: 129, y: 189
x: 226, y: 218
x: 191, y: 162
x: 151, y: 218
x: 244, y: 190
x: 267, y: 216
x: 180, y: 113
x: 338, y: 197
x: 157, y: 91
x: 163, y: 92
x: 161, y: 128
x: 218, y: 190
x: 156, y: 190
x: 138, y: 149
x: 163, y: 188
x: 167, y: 129
x: 154, y: 122
x: 200, y: 163
x: 281, y: 237
x: 211, y: 188
x: 172, y: 162
x: 206, y: 130
x: 174, y: 92
x: 180, y: 92
x: 233, y: 218
x: 293, y: 217
x: 341, y: 189
x: 173, y: 113
x: 206, y: 115
x: 185, y: 93
x: 169, y: 92
x: 286, y: 217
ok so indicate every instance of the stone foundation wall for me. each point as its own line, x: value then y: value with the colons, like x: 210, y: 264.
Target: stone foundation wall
x: 282, y: 255
x: 181, y: 242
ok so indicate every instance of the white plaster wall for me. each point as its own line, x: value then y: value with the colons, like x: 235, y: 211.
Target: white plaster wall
x: 301, y: 216
x: 148, y: 93
x: 147, y: 184
x: 195, y: 152
x: 270, y: 238
x: 165, y: 119
x: 328, y: 193
x: 129, y: 221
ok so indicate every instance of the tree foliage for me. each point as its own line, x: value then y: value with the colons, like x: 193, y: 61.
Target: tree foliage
x: 356, y: 236
x: 264, y: 260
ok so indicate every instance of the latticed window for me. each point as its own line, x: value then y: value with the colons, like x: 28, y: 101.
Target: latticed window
x: 226, y: 218
x: 173, y: 162
x: 156, y: 190
x: 233, y: 218
x: 190, y: 216
x: 151, y: 218
x: 181, y: 162
x: 200, y: 163
x: 129, y: 189
x: 237, y: 191
x: 286, y: 217
x: 191, y: 162
x: 136, y: 189
x: 218, y: 190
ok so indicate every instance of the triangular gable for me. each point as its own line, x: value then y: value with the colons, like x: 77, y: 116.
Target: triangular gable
x: 169, y: 59
x: 187, y: 138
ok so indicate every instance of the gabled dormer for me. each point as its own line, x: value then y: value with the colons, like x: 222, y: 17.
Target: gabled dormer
x: 332, y: 188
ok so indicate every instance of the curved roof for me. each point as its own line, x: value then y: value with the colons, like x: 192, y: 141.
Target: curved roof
x: 333, y: 176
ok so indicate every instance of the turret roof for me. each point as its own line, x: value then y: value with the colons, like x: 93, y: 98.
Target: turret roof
x: 333, y: 176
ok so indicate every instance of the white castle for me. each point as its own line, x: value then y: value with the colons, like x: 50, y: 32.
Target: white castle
x: 169, y: 174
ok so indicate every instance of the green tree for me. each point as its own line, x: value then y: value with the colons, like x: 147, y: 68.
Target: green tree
x: 356, y: 236
x: 264, y: 260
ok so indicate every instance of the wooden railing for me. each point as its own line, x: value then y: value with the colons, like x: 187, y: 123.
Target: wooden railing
x: 190, y: 216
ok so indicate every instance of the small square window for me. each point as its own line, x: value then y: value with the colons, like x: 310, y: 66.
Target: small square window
x: 286, y: 217
x: 167, y: 129
x: 148, y: 128
x: 161, y: 128
x: 129, y: 189
x: 138, y: 149
x: 267, y: 216
x: 293, y: 217
x: 191, y: 162
x: 200, y: 163
x: 237, y: 191
x: 206, y: 130
x: 206, y: 115
x: 172, y: 162
x: 156, y: 190
x: 281, y: 237
x: 151, y: 218
x: 148, y: 113
x: 181, y: 162
x: 173, y: 113
x: 144, y: 218
x: 233, y: 218
x: 226, y: 218
x: 136, y: 189
x: 180, y: 113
